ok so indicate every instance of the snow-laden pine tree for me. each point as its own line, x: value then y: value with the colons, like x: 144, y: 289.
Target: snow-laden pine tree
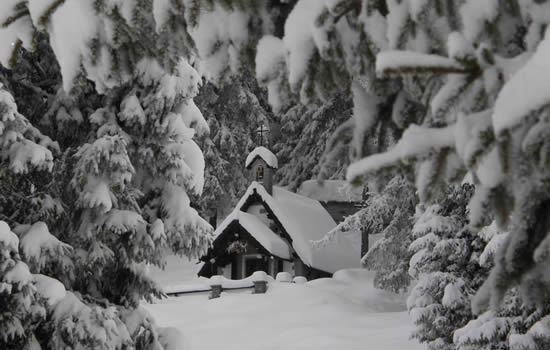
x: 233, y: 112
x: 21, y: 305
x: 388, y: 215
x: 125, y: 181
x: 446, y: 265
x: 226, y: 33
x: 479, y: 119
x: 306, y: 135
x: 515, y: 324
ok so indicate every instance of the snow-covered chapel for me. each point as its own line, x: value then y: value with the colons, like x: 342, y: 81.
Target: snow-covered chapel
x: 273, y: 230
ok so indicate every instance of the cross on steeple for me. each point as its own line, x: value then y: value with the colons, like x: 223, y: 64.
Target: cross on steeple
x: 262, y: 129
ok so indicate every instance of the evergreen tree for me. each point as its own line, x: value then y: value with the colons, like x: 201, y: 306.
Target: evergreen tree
x: 21, y: 305
x: 515, y: 325
x: 233, y: 112
x: 446, y: 263
x: 124, y: 163
x: 388, y: 214
x: 306, y: 132
x: 471, y: 125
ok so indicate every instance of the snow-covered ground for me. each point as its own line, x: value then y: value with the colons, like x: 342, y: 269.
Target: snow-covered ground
x: 178, y: 270
x: 344, y: 312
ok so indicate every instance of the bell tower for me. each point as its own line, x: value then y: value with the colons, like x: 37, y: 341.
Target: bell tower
x: 262, y: 163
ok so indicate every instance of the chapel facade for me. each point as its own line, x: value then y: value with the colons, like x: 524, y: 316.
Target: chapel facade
x: 273, y: 230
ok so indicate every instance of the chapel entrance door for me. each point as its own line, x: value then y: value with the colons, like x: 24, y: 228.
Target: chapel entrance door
x: 254, y: 264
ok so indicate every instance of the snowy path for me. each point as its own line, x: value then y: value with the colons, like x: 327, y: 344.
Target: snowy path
x: 325, y: 314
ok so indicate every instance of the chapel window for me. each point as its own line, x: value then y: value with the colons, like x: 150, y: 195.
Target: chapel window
x: 260, y: 173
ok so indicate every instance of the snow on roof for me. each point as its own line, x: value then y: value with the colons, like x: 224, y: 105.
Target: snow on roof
x: 331, y: 191
x: 263, y: 234
x: 263, y: 153
x: 305, y: 220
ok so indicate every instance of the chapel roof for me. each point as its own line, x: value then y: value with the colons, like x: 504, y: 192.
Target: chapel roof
x: 306, y: 221
x: 272, y: 242
x: 263, y: 153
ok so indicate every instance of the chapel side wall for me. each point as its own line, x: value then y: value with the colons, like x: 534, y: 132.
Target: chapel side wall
x: 288, y: 266
x: 299, y: 267
x: 339, y: 210
x: 227, y: 270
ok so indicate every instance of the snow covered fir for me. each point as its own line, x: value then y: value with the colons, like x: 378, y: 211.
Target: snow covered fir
x: 274, y: 174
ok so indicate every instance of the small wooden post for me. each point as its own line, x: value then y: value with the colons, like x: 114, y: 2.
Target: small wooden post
x: 260, y: 287
x: 259, y: 278
x: 216, y: 287
x: 364, y: 242
x: 216, y: 291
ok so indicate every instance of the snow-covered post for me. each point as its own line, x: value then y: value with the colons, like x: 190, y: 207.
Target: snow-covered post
x: 259, y: 278
x: 283, y: 276
x: 216, y: 287
x: 299, y: 280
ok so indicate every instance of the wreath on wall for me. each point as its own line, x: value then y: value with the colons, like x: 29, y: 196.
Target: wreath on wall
x: 236, y: 247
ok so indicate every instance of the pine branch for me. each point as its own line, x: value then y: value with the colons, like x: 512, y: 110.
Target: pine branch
x: 349, y: 6
x: 15, y: 53
x: 32, y: 87
x: 12, y: 19
x: 400, y: 62
x: 412, y: 69
x: 45, y: 18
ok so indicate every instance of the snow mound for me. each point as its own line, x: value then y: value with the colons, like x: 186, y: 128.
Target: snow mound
x: 355, y: 286
x: 172, y: 338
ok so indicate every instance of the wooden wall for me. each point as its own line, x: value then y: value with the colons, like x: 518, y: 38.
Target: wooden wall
x: 338, y: 210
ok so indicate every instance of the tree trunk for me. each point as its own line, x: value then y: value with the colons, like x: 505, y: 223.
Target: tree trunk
x: 364, y: 242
